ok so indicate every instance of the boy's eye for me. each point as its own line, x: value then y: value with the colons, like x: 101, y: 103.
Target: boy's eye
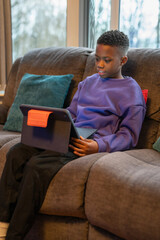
x: 97, y: 59
x: 108, y: 60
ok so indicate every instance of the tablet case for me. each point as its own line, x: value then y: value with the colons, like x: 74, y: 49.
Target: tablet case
x: 50, y: 128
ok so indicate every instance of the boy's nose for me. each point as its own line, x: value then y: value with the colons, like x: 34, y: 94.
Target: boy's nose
x: 100, y: 64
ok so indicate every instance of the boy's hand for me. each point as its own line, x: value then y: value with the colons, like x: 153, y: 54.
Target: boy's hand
x: 82, y: 146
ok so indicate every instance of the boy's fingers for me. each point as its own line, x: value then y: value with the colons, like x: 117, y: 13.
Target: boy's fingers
x: 79, y: 154
x: 76, y: 149
x: 78, y: 145
x: 85, y: 139
x: 78, y: 141
x: 82, y: 138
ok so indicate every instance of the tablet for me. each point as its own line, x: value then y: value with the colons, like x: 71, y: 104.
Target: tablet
x: 50, y: 128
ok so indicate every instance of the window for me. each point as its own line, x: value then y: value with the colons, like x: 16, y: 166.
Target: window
x: 139, y: 19
x: 42, y: 24
x: 37, y: 23
x: 99, y: 19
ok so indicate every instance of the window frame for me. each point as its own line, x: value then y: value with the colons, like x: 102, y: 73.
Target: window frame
x: 81, y: 21
x: 72, y: 23
x: 77, y: 23
x: 115, y: 11
x: 114, y: 22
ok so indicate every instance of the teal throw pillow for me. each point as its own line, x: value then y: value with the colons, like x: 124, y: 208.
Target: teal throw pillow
x: 41, y: 90
x: 156, y: 145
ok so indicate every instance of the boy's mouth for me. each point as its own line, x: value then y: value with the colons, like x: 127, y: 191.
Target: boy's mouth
x: 101, y: 72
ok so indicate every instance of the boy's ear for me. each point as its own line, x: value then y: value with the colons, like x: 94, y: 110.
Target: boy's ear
x: 124, y: 59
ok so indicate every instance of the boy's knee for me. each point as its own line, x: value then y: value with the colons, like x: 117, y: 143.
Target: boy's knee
x: 32, y: 162
x: 22, y: 151
x: 14, y: 150
x: 19, y: 154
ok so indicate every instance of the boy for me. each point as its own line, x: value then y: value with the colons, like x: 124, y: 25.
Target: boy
x: 107, y: 101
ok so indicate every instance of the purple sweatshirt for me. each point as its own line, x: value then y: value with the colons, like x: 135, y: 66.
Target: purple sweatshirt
x: 115, y: 107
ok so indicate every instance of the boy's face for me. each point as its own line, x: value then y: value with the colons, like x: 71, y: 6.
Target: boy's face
x: 109, y: 61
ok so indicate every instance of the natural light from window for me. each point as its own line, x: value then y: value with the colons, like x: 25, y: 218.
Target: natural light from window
x: 99, y: 19
x: 36, y: 24
x: 139, y: 19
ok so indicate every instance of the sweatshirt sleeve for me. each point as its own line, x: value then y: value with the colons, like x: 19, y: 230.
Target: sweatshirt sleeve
x: 128, y: 131
x: 73, y: 105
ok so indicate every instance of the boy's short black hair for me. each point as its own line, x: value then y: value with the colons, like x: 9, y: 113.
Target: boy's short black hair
x: 115, y: 38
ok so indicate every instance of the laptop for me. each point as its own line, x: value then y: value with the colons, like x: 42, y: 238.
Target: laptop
x: 50, y: 128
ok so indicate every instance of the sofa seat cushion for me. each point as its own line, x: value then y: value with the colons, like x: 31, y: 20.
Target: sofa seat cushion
x: 65, y: 195
x: 6, y: 136
x: 123, y: 194
x: 4, y: 149
x: 58, y: 228
x: 95, y: 233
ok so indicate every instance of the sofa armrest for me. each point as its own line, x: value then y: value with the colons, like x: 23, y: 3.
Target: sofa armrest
x: 3, y: 113
x: 9, y: 94
x: 11, y: 83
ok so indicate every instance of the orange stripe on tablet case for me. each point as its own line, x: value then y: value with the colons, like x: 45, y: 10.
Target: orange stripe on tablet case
x: 38, y: 118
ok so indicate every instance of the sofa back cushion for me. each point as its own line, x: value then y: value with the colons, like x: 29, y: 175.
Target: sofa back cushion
x: 143, y: 65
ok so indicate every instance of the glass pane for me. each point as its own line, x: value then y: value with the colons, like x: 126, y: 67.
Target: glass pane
x: 99, y: 20
x: 139, y: 19
x: 37, y: 23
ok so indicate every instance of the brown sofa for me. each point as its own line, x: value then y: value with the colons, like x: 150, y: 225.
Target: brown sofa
x: 99, y: 196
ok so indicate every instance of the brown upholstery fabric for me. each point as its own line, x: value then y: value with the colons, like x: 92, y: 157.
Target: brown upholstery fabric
x: 6, y: 136
x: 3, y: 113
x: 143, y: 66
x: 9, y: 92
x: 96, y: 233
x: 149, y: 133
x: 58, y: 228
x: 90, y: 66
x: 69, y: 182
x: 4, y: 149
x: 127, y: 195
x: 146, y: 155
x: 158, y: 133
